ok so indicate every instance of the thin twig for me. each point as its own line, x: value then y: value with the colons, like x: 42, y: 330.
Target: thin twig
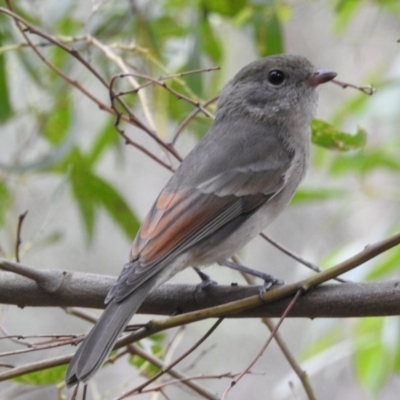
x: 186, y: 121
x: 139, y: 388
x: 137, y: 350
x: 35, y: 366
x: 245, y: 304
x: 19, y: 338
x: 173, y: 372
x: 18, y: 240
x: 82, y: 314
x: 31, y: 28
x: 15, y: 339
x: 61, y: 38
x: 199, y: 356
x: 121, y: 64
x: 369, y: 89
x: 177, y: 75
x: 143, y: 149
x: 266, y: 344
x: 296, y: 257
x: 178, y: 95
x: 49, y: 281
x: 189, y: 379
x: 74, y: 53
x: 36, y: 348
x: 171, y: 346
x: 301, y: 374
x: 151, y: 132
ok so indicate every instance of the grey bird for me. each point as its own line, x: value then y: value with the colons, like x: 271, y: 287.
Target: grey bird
x: 233, y: 184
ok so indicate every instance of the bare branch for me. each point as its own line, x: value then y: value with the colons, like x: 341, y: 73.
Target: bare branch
x: 369, y: 89
x: 47, y: 281
x: 19, y: 228
x: 299, y: 259
x: 25, y: 27
x: 35, y: 366
x: 350, y: 299
x: 186, y: 121
x: 264, y: 347
x: 140, y: 388
x: 89, y: 290
x: 301, y: 374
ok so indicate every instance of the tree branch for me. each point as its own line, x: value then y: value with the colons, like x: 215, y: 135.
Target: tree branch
x: 89, y: 290
x: 345, y: 300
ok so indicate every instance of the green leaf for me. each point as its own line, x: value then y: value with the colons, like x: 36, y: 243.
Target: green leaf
x: 106, y: 195
x: 371, y: 366
x: 243, y: 16
x: 177, y: 109
x: 323, y: 343
x: 6, y: 111
x: 5, y: 198
x: 105, y: 139
x: 80, y: 185
x: 68, y: 25
x: 372, y: 359
x: 210, y: 43
x: 166, y: 27
x: 46, y: 377
x: 268, y: 32
x: 152, y: 344
x: 59, y: 120
x: 327, y: 136
x: 396, y: 356
x: 91, y: 191
x: 389, y: 264
x: 345, y: 10
x: 366, y: 160
x: 195, y: 81
x: 226, y: 8
x: 146, y: 368
x: 306, y: 195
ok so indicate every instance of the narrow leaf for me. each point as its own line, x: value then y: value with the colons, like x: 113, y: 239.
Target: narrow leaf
x: 326, y: 135
x: 105, y: 139
x: 5, y: 104
x: 45, y: 377
x: 268, y: 32
x: 58, y: 121
x: 115, y: 205
x: 4, y: 201
x: 307, y: 195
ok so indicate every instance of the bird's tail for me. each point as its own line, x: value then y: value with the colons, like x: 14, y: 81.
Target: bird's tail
x: 101, y: 339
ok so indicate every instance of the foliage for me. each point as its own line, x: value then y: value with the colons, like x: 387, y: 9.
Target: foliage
x: 171, y: 38
x: 46, y: 377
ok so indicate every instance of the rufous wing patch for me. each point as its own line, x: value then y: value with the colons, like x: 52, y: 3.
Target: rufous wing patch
x: 173, y: 219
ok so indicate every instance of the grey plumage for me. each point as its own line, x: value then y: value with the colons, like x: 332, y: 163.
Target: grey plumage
x: 234, y: 183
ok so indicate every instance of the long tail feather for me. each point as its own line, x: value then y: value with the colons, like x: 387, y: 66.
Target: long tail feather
x: 101, y: 339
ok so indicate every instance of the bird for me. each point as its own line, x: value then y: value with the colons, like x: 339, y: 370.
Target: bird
x: 230, y: 187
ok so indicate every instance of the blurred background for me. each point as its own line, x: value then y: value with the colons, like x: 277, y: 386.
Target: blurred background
x: 86, y: 192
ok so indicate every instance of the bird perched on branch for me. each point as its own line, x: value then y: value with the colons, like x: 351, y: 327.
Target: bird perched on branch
x: 233, y: 184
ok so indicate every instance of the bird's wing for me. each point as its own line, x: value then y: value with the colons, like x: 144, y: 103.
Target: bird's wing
x: 180, y: 218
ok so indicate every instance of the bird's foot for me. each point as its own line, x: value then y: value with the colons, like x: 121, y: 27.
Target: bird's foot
x: 206, y: 282
x: 268, y: 279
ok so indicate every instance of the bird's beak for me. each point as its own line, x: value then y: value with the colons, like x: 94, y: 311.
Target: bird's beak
x: 320, y: 76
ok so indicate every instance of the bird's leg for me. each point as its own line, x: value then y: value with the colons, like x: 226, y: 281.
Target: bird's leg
x: 205, y: 279
x: 206, y: 282
x: 269, y: 280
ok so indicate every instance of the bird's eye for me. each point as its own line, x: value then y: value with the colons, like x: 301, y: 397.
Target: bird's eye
x: 276, y: 77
